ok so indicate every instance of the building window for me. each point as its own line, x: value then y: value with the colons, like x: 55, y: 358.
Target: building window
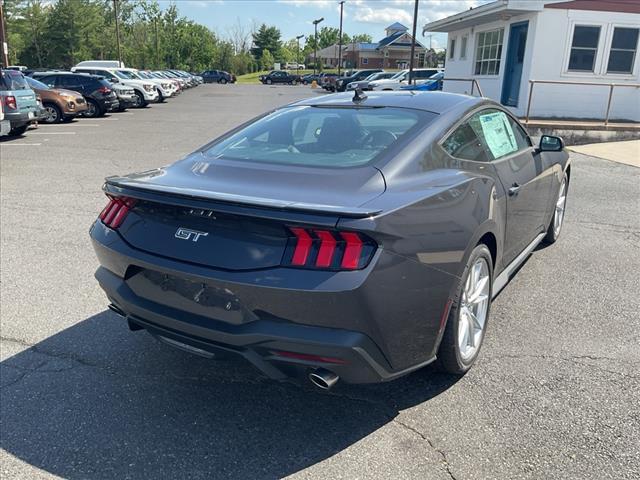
x: 489, y: 52
x: 584, y: 48
x: 463, y: 47
x: 421, y: 59
x: 623, y: 50
x: 452, y: 48
x: 365, y: 61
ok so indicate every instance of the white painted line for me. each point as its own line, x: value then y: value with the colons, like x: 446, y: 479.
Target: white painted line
x: 19, y: 144
x: 52, y: 133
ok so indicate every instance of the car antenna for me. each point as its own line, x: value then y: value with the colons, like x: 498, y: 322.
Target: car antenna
x: 358, y: 96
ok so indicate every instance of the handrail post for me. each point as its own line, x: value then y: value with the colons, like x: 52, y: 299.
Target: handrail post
x: 531, y: 83
x: 606, y: 117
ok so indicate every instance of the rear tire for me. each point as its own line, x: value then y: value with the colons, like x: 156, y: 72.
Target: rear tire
x: 18, y: 130
x: 93, y: 109
x: 223, y: 81
x: 469, y: 314
x: 54, y: 114
x: 557, y: 219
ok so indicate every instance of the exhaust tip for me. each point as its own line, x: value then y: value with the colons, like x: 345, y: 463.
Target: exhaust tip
x: 323, y: 379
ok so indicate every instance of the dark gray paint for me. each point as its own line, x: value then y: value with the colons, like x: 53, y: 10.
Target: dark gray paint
x: 430, y: 211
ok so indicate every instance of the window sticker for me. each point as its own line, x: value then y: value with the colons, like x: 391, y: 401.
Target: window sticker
x: 498, y: 134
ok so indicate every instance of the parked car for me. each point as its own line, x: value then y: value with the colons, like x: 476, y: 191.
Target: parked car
x: 166, y: 89
x: 342, y: 82
x: 309, y: 78
x: 177, y: 85
x: 279, y: 76
x: 96, y: 91
x: 217, y: 76
x: 364, y: 84
x: 146, y: 92
x: 293, y: 66
x: 60, y: 105
x: 5, y: 124
x: 18, y: 101
x: 434, y: 83
x: 385, y: 265
x: 127, y: 97
x: 184, y: 84
x: 327, y: 81
x: 397, y: 82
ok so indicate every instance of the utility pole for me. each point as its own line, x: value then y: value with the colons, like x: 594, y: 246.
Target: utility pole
x: 3, y: 38
x: 315, y: 41
x: 340, y: 39
x: 413, y: 43
x: 155, y: 22
x: 115, y: 13
x: 298, y: 54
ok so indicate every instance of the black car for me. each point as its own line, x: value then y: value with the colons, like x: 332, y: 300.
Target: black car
x: 95, y: 89
x: 342, y: 82
x: 217, y: 76
x: 279, y: 76
x: 343, y: 236
x: 309, y: 78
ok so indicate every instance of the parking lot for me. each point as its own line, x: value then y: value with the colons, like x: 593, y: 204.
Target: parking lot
x: 555, y: 393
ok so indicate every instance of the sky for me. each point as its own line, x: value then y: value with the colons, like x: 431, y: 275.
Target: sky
x: 294, y: 17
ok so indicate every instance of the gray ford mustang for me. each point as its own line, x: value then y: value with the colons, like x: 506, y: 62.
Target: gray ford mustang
x: 343, y: 236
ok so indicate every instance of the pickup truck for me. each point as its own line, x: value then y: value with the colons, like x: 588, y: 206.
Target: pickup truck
x: 279, y: 76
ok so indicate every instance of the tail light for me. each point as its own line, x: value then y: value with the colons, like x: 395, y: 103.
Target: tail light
x: 116, y: 211
x: 10, y: 102
x: 104, y: 90
x: 328, y: 250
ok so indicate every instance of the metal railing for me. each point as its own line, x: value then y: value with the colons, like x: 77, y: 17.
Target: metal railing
x: 474, y: 83
x: 560, y: 82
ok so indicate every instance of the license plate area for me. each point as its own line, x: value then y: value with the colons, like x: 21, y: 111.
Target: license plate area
x: 196, y: 297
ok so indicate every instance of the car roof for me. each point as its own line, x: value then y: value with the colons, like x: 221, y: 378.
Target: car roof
x: 435, y: 102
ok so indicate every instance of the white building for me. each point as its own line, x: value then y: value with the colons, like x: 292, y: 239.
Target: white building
x: 505, y: 44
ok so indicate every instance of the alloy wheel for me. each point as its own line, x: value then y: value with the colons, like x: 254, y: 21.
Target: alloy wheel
x: 52, y: 115
x: 92, y: 111
x: 560, y: 206
x: 473, y: 309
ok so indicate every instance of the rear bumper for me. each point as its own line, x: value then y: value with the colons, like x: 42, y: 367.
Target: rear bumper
x: 18, y: 119
x: 360, y: 360
x: 382, y: 321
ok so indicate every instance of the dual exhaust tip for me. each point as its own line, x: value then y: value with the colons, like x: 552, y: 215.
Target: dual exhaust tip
x: 323, y: 379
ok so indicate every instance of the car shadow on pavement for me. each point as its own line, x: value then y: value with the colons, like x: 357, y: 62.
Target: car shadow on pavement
x: 97, y: 401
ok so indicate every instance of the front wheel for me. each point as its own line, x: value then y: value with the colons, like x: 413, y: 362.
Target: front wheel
x: 469, y: 314
x: 269, y: 81
x: 555, y: 226
x: 223, y: 81
x: 139, y: 100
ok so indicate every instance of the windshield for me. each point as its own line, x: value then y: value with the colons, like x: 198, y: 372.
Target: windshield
x: 33, y: 83
x: 400, y: 74
x: 126, y: 75
x: 13, y: 80
x: 321, y: 136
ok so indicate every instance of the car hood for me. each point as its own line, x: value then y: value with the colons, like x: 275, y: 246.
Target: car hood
x: 68, y: 93
x: 264, y: 184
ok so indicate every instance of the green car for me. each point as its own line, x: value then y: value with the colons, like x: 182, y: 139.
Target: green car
x: 18, y: 101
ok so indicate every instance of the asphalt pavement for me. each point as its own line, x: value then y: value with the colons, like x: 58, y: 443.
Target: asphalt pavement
x: 555, y: 394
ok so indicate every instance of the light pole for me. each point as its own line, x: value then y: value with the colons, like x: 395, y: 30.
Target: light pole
x: 413, y: 43
x: 315, y: 43
x: 115, y: 13
x: 298, y: 54
x: 340, y: 39
x: 3, y: 39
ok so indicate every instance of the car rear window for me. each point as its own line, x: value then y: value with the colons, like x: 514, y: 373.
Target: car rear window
x: 33, y: 83
x: 13, y: 80
x: 321, y: 136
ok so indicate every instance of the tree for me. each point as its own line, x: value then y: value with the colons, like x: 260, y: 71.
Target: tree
x: 266, y: 38
x: 266, y: 60
x: 362, y: 38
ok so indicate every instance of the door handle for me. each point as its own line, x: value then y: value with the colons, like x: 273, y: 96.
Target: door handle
x: 515, y: 188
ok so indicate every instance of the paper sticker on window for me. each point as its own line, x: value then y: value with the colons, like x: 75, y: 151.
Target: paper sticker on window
x: 498, y: 134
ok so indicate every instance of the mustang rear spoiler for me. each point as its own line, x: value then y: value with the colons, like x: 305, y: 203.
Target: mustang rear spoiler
x: 167, y: 194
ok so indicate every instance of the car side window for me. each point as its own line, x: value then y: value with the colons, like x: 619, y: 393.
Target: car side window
x: 487, y: 135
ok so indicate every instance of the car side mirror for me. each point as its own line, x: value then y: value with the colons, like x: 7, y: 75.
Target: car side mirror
x: 115, y: 80
x: 549, y: 143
